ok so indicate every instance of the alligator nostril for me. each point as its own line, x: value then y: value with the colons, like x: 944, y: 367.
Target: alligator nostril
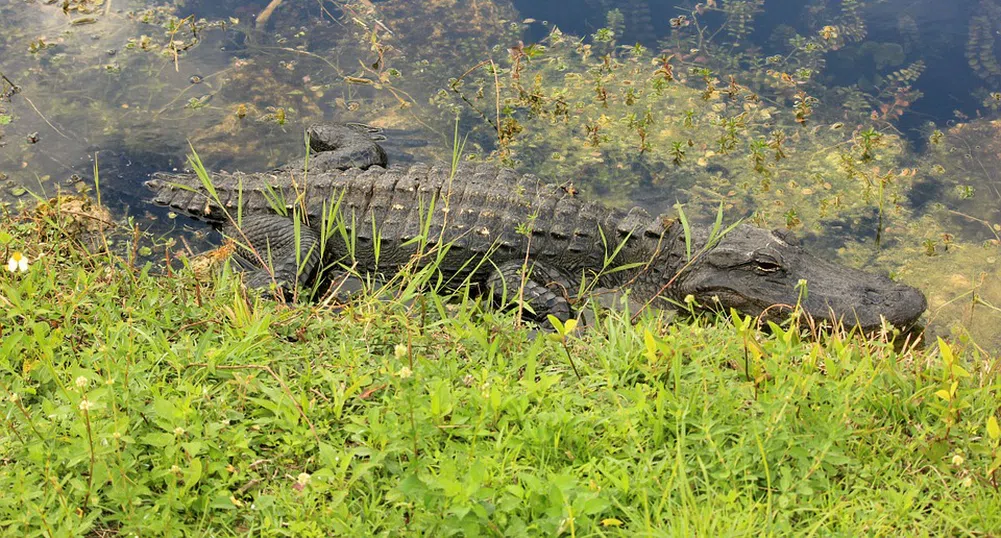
x: 872, y: 296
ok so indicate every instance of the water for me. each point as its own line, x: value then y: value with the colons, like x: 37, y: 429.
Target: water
x: 933, y: 31
x: 924, y: 206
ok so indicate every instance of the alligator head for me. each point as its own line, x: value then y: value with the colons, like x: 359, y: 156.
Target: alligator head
x: 757, y: 271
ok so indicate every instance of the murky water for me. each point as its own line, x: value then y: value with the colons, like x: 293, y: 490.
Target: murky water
x: 898, y: 32
x: 869, y: 128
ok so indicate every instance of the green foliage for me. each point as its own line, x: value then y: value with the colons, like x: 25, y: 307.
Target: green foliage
x: 141, y: 403
x: 144, y: 404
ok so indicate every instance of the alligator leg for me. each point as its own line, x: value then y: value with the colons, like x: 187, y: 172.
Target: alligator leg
x: 339, y: 147
x: 547, y: 290
x: 272, y: 239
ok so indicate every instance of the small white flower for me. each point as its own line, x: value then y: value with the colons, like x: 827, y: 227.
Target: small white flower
x: 178, y: 431
x: 303, y: 479
x: 405, y: 372
x: 81, y: 382
x: 400, y: 351
x: 17, y: 262
x: 958, y: 459
x: 86, y: 405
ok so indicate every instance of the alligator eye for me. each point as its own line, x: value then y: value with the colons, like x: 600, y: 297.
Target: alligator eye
x: 767, y: 266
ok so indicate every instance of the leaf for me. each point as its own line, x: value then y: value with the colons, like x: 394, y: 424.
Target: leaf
x: 958, y: 371
x: 995, y: 465
x: 164, y: 409
x: 412, y: 486
x: 946, y: 352
x: 651, y: 345
x: 944, y: 394
x: 193, y: 474
x: 611, y: 522
x: 570, y: 325
x: 557, y: 324
x: 993, y: 430
x: 687, y: 229
x: 328, y: 455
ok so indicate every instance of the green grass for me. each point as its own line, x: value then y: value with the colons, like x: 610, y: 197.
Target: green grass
x: 136, y: 403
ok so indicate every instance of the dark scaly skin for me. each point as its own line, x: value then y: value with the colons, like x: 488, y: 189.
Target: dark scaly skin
x: 490, y: 220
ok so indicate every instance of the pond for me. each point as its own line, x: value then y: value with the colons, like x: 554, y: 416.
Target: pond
x: 868, y: 128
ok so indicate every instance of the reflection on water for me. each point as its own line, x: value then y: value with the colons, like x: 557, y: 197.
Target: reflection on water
x: 865, y: 128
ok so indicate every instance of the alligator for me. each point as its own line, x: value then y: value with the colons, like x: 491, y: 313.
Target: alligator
x: 498, y: 231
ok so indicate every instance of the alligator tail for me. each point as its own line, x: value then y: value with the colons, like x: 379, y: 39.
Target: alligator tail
x: 185, y: 194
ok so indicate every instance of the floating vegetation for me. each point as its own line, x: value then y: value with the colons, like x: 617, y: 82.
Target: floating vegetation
x: 983, y: 46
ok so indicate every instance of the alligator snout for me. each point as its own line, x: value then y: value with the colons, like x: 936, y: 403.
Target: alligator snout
x: 757, y: 272
x: 900, y: 305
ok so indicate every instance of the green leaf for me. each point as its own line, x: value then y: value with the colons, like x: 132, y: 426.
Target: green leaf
x: 557, y: 324
x: 651, y: 345
x: 412, y: 487
x: 687, y: 229
x: 165, y: 410
x: 193, y: 474
x: 993, y: 430
x: 946, y: 352
x: 944, y: 394
x: 958, y: 371
x: 995, y: 465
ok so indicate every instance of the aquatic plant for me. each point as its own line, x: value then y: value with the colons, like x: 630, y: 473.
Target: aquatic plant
x: 982, y: 45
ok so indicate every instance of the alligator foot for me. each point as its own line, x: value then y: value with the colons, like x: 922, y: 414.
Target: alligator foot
x: 276, y: 252
x: 339, y: 147
x: 546, y: 290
